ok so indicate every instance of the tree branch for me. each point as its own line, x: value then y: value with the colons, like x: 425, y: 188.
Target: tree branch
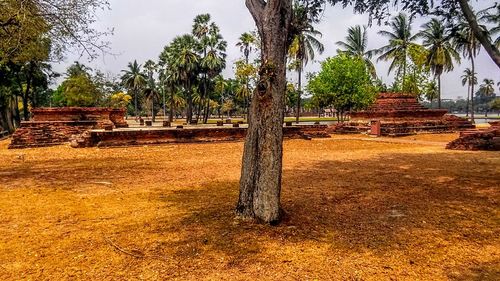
x: 480, y: 34
x: 256, y: 8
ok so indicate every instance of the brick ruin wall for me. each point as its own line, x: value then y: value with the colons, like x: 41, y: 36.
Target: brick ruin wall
x: 184, y: 135
x: 485, y: 139
x: 400, y: 115
x: 53, y: 126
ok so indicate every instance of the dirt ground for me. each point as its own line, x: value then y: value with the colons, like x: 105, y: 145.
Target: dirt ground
x: 356, y: 210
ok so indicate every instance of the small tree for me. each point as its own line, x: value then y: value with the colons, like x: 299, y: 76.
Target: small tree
x: 79, y: 90
x: 348, y: 80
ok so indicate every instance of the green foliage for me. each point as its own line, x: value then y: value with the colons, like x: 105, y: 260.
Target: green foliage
x: 120, y: 100
x: 80, y: 90
x: 29, y: 26
x: 344, y: 83
x: 495, y: 104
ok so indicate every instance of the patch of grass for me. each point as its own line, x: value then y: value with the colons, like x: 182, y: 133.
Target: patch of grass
x: 355, y: 210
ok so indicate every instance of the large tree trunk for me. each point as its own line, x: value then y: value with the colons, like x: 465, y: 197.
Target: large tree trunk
x: 481, y: 35
x: 260, y: 183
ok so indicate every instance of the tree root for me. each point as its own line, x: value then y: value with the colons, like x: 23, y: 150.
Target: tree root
x: 139, y: 256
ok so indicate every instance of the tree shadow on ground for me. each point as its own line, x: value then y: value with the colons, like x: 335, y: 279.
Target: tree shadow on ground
x: 482, y: 272
x: 411, y: 203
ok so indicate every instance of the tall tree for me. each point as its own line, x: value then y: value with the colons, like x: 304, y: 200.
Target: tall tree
x: 184, y: 62
x: 67, y: 24
x: 151, y: 91
x: 441, y: 52
x: 134, y: 80
x: 356, y: 44
x: 244, y: 69
x: 469, y: 78
x: 487, y: 87
x: 481, y: 34
x: 466, y: 42
x: 400, y: 39
x: 212, y: 48
x: 260, y: 183
x: 246, y: 43
x: 304, y: 44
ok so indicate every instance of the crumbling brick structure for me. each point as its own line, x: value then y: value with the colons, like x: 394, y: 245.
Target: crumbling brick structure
x: 53, y: 126
x: 399, y: 115
x: 99, y: 138
x: 485, y: 139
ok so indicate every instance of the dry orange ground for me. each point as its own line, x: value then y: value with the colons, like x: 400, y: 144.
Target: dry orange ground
x: 357, y: 210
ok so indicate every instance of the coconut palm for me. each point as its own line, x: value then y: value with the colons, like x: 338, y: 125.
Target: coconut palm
x: 304, y: 45
x: 133, y: 79
x: 356, y: 43
x: 441, y: 53
x: 492, y: 16
x: 466, y: 42
x: 469, y: 78
x: 400, y: 39
x: 488, y: 87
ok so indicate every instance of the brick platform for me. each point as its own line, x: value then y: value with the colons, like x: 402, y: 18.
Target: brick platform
x: 400, y: 115
x: 485, y: 139
x: 117, y: 138
x: 53, y: 126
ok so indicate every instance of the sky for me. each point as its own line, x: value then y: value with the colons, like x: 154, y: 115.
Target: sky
x: 142, y: 29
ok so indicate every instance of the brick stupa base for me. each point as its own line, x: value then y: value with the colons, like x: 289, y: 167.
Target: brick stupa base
x: 53, y: 126
x: 400, y: 115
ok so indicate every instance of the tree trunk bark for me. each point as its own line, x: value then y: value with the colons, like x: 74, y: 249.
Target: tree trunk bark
x: 153, y: 117
x: 189, y: 112
x: 482, y: 36
x: 299, y: 93
x: 135, y: 103
x: 260, y: 183
x: 439, y: 91
x: 468, y: 101
x: 171, y: 113
x: 473, y: 65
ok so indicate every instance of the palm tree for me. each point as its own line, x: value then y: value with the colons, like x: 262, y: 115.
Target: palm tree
x: 431, y: 91
x: 304, y: 45
x: 184, y: 61
x: 356, y: 45
x: 466, y: 42
x: 212, y: 48
x: 246, y: 42
x: 469, y: 78
x: 214, y: 61
x: 400, y: 39
x: 441, y: 53
x: 151, y: 92
x: 492, y: 18
x: 133, y: 79
x: 488, y: 87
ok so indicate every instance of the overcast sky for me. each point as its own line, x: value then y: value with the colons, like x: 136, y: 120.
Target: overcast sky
x: 143, y: 28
